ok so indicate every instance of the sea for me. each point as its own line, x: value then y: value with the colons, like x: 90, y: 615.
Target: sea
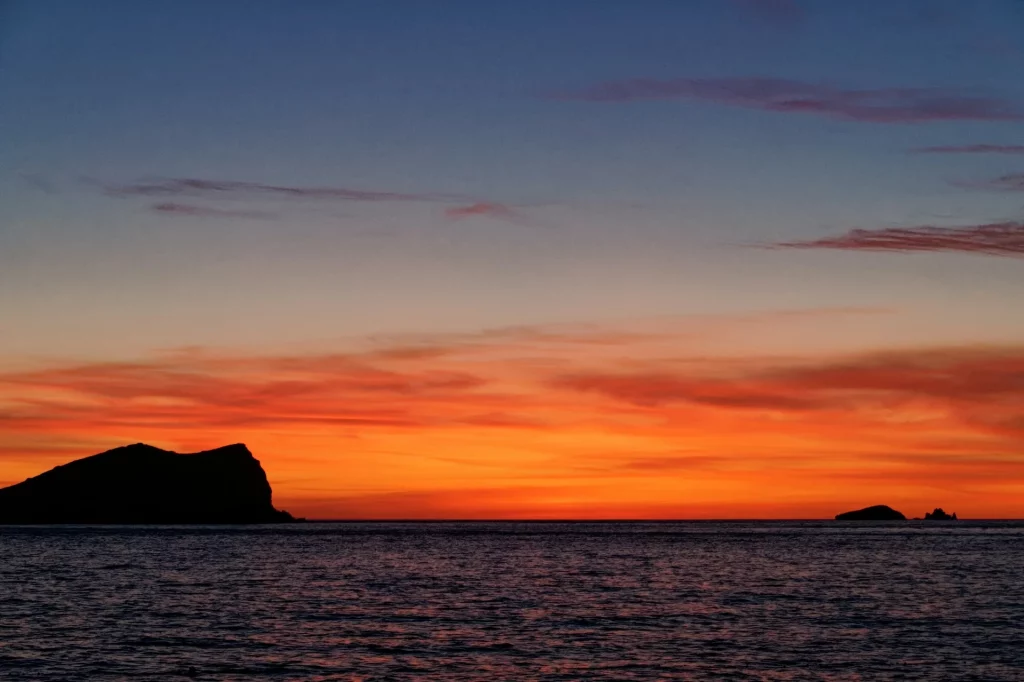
x: 514, y: 601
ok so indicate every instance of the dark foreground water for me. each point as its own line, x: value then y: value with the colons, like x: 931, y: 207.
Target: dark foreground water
x: 514, y: 601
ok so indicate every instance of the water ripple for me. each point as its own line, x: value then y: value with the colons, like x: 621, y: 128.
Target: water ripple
x: 514, y: 601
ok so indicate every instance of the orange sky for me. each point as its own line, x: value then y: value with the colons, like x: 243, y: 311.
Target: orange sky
x: 746, y: 282
x: 666, y: 420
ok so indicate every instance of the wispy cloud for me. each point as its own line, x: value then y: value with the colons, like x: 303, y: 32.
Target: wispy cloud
x: 1011, y: 182
x: 199, y: 187
x: 179, y: 197
x: 401, y: 388
x: 981, y: 385
x: 335, y: 389
x: 671, y: 463
x: 191, y: 210
x: 482, y: 209
x: 998, y: 239
x: 971, y: 149
x: 870, y: 105
x: 654, y: 389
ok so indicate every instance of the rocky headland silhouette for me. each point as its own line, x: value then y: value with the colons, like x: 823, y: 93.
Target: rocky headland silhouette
x: 141, y: 484
x: 939, y: 515
x: 878, y: 512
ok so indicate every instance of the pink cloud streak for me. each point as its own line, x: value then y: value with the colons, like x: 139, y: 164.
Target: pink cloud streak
x: 998, y: 239
x: 485, y: 209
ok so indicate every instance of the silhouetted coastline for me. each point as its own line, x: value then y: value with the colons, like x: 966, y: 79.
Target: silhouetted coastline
x: 142, y: 484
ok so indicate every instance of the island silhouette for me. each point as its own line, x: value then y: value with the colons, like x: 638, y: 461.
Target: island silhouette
x: 878, y: 512
x: 881, y: 512
x: 939, y: 515
x: 142, y: 484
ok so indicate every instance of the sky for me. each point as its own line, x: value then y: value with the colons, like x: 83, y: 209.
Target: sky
x: 659, y: 259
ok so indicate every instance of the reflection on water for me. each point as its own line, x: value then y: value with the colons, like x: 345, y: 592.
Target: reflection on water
x: 515, y: 601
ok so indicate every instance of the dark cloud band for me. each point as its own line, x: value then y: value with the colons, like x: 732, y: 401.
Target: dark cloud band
x: 871, y: 105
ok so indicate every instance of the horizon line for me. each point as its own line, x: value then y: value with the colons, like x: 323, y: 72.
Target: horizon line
x: 627, y: 520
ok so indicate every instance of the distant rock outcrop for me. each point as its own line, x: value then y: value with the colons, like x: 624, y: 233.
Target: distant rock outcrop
x: 141, y: 484
x: 879, y: 512
x: 939, y: 515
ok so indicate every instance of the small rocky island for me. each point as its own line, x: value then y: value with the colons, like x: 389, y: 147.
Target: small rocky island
x: 879, y: 512
x: 141, y: 484
x: 939, y: 515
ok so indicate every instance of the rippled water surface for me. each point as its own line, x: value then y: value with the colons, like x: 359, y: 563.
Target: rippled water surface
x: 514, y: 601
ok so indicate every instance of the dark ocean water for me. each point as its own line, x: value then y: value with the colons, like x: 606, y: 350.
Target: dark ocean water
x: 514, y: 601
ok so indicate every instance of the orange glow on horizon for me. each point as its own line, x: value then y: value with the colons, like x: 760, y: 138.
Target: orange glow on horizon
x: 529, y: 424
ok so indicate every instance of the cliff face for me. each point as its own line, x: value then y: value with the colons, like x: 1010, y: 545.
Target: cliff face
x: 141, y: 484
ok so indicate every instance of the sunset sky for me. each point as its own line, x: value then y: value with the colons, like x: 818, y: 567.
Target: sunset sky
x: 580, y: 259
